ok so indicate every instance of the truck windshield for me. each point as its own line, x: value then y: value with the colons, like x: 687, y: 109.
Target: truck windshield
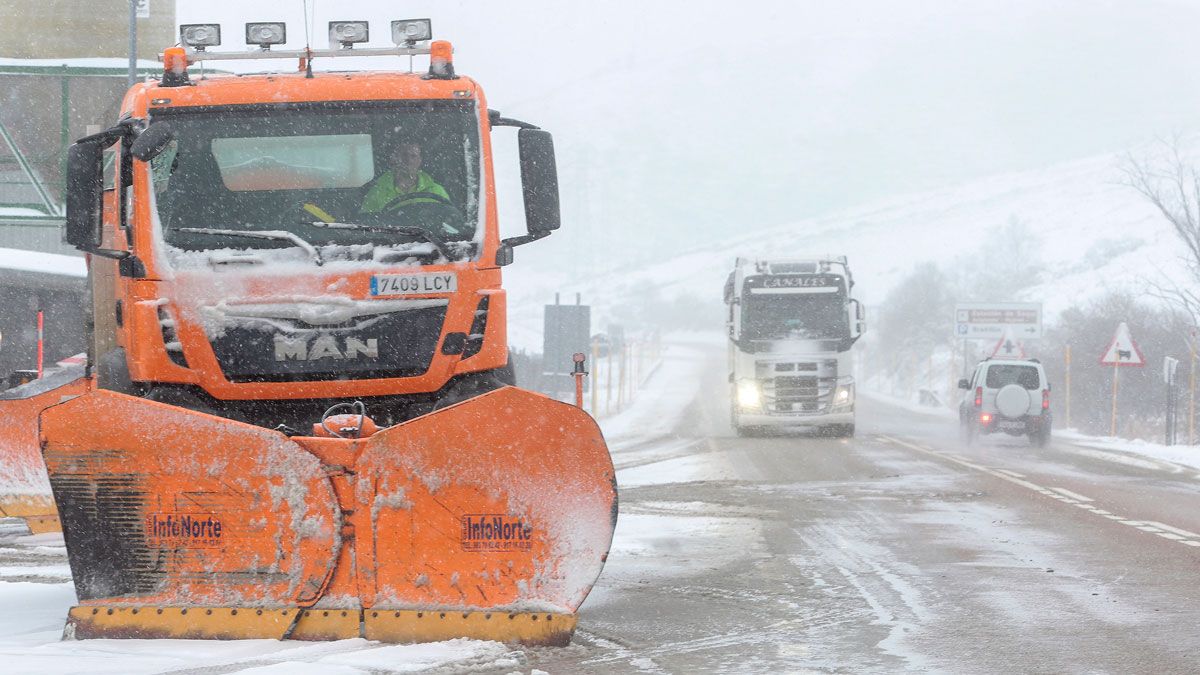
x: 395, y: 170
x: 781, y: 316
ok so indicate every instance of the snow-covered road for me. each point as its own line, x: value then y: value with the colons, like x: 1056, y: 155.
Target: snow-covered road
x: 898, y: 550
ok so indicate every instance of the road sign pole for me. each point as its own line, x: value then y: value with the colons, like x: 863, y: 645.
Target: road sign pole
x: 595, y: 379
x: 1067, y: 402
x: 1113, y: 426
x: 1192, y: 394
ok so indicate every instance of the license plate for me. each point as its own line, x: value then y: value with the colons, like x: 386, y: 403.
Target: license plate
x: 1012, y: 425
x: 414, y: 284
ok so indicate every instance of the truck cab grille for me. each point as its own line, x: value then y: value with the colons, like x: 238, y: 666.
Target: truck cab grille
x: 807, y: 388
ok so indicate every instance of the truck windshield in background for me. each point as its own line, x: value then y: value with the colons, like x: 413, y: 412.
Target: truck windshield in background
x: 384, y: 175
x: 778, y: 316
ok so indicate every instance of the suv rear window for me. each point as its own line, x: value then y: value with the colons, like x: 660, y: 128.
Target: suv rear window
x: 1000, y: 375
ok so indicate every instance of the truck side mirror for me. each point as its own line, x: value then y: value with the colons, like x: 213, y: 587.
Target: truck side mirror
x: 85, y: 194
x: 858, y: 315
x: 151, y: 142
x: 539, y: 180
x: 964, y: 384
x: 84, y: 228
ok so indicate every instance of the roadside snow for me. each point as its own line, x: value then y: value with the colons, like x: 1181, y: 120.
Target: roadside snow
x: 1184, y: 455
x: 660, y: 404
x: 46, y: 263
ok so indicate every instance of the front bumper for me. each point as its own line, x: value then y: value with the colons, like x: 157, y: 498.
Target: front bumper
x: 819, y: 420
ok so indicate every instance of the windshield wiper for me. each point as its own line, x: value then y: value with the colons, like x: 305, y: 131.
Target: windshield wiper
x: 276, y: 235
x: 430, y: 237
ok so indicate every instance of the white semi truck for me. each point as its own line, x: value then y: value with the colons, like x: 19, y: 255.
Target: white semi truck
x: 791, y: 327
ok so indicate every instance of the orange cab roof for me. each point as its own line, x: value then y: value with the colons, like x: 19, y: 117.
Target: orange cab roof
x: 292, y: 87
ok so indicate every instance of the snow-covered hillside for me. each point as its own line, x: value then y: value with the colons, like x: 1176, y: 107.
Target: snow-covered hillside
x: 1095, y: 233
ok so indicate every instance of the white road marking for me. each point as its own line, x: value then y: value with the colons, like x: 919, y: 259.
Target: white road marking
x: 1063, y: 495
x: 1176, y: 530
x: 1073, y: 495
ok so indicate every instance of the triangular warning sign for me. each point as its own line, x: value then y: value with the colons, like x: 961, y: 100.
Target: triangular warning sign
x: 1123, y: 351
x: 1008, y: 347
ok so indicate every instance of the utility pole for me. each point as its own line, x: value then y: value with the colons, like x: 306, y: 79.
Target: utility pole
x: 1067, y: 373
x: 133, y: 14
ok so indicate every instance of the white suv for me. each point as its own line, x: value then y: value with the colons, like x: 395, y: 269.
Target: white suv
x: 1006, y: 396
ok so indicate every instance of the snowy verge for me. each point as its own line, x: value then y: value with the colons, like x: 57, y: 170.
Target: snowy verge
x: 1181, y: 455
x: 46, y: 263
x: 663, y: 398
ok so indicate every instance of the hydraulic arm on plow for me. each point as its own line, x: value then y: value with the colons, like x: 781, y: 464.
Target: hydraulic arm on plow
x: 301, y: 421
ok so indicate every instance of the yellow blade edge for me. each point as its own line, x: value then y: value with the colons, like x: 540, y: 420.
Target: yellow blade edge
x: 382, y: 625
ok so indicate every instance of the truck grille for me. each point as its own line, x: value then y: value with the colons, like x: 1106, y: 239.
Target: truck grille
x: 810, y: 393
x: 388, y: 344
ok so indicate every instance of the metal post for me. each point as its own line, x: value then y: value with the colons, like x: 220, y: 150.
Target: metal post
x: 621, y: 378
x: 41, y: 343
x: 1113, y: 425
x: 1067, y: 359
x: 64, y: 130
x: 579, y: 373
x: 608, y: 366
x: 1192, y: 395
x: 1170, y: 435
x: 595, y: 380
x: 132, y: 42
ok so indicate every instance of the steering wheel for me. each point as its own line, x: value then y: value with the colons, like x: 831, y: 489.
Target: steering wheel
x: 414, y: 195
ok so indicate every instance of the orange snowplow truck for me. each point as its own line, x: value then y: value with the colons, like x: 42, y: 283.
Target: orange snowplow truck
x: 301, y: 421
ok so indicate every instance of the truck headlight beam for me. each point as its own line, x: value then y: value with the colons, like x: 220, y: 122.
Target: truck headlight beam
x: 748, y: 395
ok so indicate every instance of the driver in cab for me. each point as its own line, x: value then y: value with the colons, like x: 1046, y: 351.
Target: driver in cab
x: 403, y: 184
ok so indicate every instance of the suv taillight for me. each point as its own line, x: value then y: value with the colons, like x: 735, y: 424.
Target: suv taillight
x: 978, y: 397
x: 1045, y: 399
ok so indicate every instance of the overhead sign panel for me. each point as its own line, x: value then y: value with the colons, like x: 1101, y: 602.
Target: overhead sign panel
x: 994, y: 320
x: 1123, y: 351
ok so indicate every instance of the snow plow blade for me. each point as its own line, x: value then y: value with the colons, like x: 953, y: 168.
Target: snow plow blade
x: 489, y: 519
x: 24, y: 490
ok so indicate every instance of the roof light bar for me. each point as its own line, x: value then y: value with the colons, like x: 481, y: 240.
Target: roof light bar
x: 266, y: 33
x: 200, y: 35
x: 408, y: 32
x: 348, y: 33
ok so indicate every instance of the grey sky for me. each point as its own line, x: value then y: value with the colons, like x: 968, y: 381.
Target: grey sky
x: 706, y: 117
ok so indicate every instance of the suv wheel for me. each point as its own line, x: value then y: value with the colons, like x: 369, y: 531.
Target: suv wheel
x: 968, y: 432
x: 1041, y: 437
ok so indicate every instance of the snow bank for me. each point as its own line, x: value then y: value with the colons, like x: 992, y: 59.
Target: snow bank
x: 1184, y: 455
x: 660, y: 403
x: 47, y: 263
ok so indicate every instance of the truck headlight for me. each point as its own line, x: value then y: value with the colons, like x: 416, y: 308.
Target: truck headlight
x: 748, y: 395
x: 843, y: 395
